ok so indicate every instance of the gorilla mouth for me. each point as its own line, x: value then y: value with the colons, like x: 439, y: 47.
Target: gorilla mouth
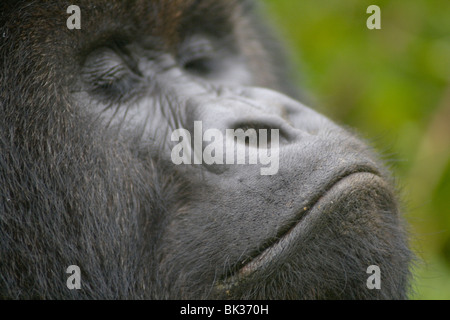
x: 328, y: 201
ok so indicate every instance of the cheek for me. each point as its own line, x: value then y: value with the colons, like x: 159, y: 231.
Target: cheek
x: 140, y: 116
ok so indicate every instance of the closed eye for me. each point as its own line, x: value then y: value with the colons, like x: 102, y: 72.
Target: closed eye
x: 108, y: 75
x: 197, y: 56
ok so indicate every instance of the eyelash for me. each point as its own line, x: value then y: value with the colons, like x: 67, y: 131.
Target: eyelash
x: 109, y: 76
x: 196, y: 53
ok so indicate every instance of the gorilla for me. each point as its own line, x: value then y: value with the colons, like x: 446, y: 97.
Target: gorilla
x: 88, y: 178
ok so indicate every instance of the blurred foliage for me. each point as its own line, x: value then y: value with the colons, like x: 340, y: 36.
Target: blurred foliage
x: 393, y: 85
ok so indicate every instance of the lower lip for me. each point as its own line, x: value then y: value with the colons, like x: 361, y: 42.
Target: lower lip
x: 301, y: 229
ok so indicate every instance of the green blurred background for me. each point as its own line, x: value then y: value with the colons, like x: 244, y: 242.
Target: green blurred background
x: 393, y: 85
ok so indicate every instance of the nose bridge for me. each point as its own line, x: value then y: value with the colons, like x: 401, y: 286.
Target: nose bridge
x: 252, y: 101
x: 229, y: 107
x: 225, y: 108
x: 258, y: 108
x: 235, y: 112
x: 286, y: 107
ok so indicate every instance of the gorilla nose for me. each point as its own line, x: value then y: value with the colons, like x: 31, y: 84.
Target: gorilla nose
x: 248, y: 108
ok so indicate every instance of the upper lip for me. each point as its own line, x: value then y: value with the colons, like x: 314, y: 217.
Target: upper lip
x: 269, y: 248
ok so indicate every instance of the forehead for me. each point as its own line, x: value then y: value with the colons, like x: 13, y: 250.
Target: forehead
x: 42, y: 25
x: 155, y: 16
x: 164, y: 19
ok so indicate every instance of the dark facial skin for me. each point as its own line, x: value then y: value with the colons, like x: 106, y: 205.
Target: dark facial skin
x: 87, y: 179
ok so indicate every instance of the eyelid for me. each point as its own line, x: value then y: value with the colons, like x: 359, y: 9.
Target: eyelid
x: 106, y: 73
x: 127, y: 59
x: 195, y: 48
x: 100, y: 61
x: 107, y: 62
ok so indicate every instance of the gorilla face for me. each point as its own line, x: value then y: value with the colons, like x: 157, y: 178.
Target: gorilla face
x: 87, y: 175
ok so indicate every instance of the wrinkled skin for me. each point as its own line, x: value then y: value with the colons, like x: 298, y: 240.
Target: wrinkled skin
x: 86, y: 176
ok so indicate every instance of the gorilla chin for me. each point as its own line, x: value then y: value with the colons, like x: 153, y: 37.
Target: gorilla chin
x: 364, y: 194
x: 87, y: 175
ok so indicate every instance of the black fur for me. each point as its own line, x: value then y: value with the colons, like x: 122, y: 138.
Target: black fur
x: 100, y: 192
